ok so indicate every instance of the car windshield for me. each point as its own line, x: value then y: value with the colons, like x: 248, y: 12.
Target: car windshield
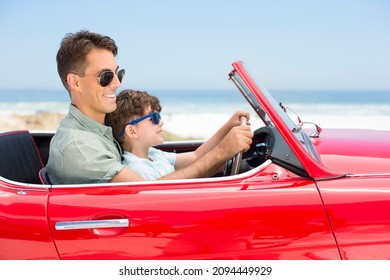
x: 259, y: 105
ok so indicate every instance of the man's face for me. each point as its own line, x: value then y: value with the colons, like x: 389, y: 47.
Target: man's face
x: 96, y: 100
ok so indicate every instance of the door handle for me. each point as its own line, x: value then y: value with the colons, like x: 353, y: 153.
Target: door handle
x: 92, y: 224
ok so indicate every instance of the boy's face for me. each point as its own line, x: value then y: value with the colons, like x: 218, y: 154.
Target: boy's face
x: 148, y: 132
x: 98, y: 100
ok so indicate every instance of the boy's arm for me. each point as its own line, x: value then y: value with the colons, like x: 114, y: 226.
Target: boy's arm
x: 185, y: 159
x: 238, y: 139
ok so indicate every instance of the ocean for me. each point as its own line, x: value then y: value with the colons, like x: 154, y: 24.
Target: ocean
x: 199, y: 113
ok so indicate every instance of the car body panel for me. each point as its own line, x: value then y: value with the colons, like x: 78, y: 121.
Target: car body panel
x: 354, y: 142
x: 354, y: 151
x: 236, y: 220
x: 24, y: 230
x: 358, y: 208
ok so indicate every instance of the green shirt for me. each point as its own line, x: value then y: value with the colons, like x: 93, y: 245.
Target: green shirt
x: 82, y: 151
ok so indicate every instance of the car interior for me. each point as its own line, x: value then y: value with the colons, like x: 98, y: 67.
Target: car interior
x: 20, y: 158
x: 24, y: 155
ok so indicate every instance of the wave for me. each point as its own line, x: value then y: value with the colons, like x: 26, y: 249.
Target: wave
x: 30, y: 108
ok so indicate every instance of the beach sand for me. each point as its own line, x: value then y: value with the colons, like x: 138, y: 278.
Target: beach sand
x: 49, y: 121
x: 39, y: 121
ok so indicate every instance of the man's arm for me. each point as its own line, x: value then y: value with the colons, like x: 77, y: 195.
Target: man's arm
x: 126, y: 175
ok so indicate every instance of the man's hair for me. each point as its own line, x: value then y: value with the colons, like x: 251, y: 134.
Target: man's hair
x: 131, y: 104
x: 72, y: 54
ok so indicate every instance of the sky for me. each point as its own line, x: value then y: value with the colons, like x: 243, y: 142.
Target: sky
x: 168, y: 44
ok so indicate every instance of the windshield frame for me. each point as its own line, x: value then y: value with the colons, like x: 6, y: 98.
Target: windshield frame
x: 272, y: 114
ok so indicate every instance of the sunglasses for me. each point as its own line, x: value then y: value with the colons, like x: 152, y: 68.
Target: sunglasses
x: 107, y: 76
x: 155, y: 117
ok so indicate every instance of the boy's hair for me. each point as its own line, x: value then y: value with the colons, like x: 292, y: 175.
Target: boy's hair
x: 131, y: 104
x: 72, y: 54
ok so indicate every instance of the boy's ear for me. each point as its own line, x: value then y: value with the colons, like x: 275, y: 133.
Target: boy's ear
x: 131, y: 131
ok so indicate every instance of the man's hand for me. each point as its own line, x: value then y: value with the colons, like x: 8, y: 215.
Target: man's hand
x: 235, y: 119
x: 237, y: 140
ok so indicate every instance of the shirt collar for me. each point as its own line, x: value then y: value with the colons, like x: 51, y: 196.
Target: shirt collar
x: 88, y: 123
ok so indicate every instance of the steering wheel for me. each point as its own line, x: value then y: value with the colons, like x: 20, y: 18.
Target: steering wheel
x: 238, y: 157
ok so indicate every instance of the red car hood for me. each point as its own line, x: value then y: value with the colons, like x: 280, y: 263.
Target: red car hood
x: 355, y: 151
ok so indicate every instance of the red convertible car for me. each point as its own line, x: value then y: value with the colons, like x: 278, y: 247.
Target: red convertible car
x: 293, y: 195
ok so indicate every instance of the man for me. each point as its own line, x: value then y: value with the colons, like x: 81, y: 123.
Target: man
x: 83, y: 149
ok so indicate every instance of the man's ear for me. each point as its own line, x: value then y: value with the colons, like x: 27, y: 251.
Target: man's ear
x: 72, y: 80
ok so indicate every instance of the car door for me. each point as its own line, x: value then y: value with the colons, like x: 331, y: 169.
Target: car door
x: 24, y: 230
x: 256, y: 216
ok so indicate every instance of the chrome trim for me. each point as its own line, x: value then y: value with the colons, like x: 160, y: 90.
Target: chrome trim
x: 14, y: 185
x: 92, y: 224
x: 243, y: 176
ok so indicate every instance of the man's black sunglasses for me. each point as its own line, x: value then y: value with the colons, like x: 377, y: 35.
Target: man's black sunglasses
x: 107, y: 76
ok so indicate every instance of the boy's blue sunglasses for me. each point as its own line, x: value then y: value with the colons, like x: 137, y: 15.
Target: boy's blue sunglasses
x: 155, y: 117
